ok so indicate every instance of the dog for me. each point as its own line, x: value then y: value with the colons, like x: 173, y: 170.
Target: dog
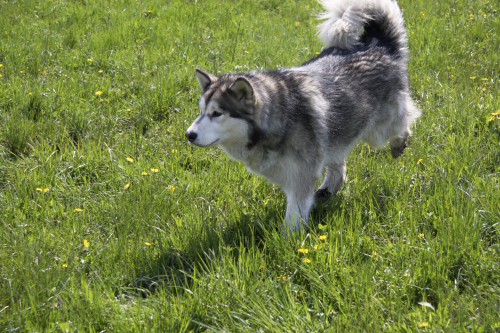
x: 289, y: 125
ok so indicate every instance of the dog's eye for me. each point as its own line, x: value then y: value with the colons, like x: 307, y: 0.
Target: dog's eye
x: 216, y: 114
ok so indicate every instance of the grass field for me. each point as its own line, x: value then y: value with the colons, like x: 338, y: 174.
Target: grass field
x: 110, y: 222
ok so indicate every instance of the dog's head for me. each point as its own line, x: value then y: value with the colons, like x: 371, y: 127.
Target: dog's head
x: 226, y: 106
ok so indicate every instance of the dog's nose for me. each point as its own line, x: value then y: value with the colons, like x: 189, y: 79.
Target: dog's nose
x: 191, y: 136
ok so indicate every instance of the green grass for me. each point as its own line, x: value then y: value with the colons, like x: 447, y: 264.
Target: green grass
x: 95, y: 97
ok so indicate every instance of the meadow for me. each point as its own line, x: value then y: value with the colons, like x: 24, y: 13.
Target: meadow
x: 111, y: 222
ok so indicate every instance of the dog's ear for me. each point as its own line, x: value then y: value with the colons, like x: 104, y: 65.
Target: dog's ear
x: 204, y: 78
x: 242, y: 89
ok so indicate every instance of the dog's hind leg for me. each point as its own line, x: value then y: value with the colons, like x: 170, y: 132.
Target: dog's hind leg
x: 398, y: 144
x: 408, y: 114
x: 336, y: 176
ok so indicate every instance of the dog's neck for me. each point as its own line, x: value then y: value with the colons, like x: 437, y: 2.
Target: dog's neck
x: 256, y: 158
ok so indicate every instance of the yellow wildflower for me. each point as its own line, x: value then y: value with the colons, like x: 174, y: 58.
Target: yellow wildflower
x: 282, y: 277
x: 86, y: 244
x: 421, y: 236
x: 323, y: 238
x: 493, y: 116
x: 77, y: 210
x: 43, y: 190
x: 130, y: 159
x: 99, y: 93
x: 127, y: 186
x: 1, y: 65
x: 148, y: 244
x: 306, y: 261
x: 155, y: 170
x: 303, y: 251
x: 144, y: 173
x: 424, y: 324
x: 64, y: 265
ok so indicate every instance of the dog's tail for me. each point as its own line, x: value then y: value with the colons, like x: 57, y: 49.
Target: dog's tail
x: 351, y: 23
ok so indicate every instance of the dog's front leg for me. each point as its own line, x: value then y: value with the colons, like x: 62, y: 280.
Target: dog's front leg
x: 297, y: 209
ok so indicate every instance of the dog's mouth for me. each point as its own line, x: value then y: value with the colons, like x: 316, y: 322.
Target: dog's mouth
x: 205, y: 146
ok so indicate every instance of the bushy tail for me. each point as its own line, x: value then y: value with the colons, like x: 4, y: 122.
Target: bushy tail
x: 348, y: 22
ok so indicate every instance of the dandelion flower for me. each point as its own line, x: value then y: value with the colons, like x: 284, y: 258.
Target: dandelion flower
x: 323, y: 238
x: 99, y: 93
x: 149, y: 13
x: 86, y: 244
x: 129, y: 159
x: 303, y: 251
x: 493, y: 116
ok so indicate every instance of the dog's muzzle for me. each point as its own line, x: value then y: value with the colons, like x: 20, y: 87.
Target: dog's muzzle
x: 191, y: 136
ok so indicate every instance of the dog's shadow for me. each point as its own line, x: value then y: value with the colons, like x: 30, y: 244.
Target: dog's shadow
x: 174, y: 269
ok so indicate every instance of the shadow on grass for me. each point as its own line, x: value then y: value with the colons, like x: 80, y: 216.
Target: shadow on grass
x: 173, y: 269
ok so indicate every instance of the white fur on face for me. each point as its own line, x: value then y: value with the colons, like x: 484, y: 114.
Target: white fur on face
x: 221, y: 130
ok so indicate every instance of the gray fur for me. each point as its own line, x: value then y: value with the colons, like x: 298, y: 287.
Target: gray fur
x: 289, y: 125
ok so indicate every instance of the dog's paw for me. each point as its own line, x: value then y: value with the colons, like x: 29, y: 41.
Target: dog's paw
x: 398, y: 147
x: 322, y: 195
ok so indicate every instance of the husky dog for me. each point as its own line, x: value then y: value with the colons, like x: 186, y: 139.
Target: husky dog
x: 288, y: 125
